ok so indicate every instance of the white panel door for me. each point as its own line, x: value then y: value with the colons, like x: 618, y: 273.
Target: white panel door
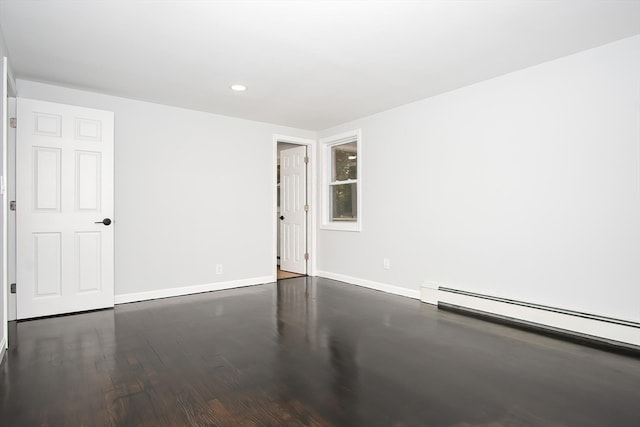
x: 64, y: 195
x: 293, y: 218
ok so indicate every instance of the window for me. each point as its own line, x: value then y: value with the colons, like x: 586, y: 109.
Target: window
x: 341, y: 182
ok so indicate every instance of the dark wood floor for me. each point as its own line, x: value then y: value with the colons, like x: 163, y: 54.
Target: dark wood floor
x: 309, y: 352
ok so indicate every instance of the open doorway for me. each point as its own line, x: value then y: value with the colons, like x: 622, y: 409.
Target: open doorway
x: 293, y: 214
x: 292, y: 210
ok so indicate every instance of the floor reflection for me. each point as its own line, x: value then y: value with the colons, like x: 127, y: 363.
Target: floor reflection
x: 329, y: 347
x: 345, y: 377
x: 64, y: 360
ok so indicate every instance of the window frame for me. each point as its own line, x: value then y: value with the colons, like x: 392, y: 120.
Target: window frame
x: 326, y: 145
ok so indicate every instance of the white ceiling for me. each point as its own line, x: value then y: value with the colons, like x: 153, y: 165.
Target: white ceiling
x: 307, y: 64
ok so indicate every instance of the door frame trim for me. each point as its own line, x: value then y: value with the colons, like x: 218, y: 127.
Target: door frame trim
x: 312, y: 200
x: 8, y: 90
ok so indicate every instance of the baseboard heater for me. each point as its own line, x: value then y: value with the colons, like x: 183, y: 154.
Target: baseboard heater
x: 608, y: 333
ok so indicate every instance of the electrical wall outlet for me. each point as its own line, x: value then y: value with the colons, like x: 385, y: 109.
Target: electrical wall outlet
x: 386, y: 263
x: 218, y: 268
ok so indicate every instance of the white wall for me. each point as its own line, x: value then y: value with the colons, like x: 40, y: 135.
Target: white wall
x: 192, y: 190
x: 526, y: 186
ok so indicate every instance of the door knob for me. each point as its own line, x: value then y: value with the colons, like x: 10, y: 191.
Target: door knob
x: 105, y: 221
x: 281, y: 217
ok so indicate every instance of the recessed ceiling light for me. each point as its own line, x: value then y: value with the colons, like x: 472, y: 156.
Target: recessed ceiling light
x: 239, y: 88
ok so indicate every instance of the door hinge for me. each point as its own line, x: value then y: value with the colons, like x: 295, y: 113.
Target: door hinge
x: 13, y: 122
x: 306, y: 159
x: 13, y: 288
x: 306, y: 208
x: 12, y: 205
x: 306, y: 256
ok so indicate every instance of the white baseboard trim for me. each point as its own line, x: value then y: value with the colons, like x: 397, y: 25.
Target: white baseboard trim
x: 605, y: 328
x: 391, y: 289
x: 188, y: 290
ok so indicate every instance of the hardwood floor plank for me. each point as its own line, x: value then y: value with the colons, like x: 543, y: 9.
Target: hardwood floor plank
x: 304, y: 352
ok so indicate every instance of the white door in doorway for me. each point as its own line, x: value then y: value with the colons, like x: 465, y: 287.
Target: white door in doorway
x: 64, y: 195
x: 293, y: 216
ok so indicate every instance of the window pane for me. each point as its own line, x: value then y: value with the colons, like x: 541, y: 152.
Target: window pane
x: 344, y: 202
x: 344, y: 162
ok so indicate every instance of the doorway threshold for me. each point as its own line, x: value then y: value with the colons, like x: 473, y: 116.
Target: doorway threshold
x: 288, y: 275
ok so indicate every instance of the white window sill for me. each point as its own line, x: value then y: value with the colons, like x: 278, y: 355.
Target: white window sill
x: 342, y: 226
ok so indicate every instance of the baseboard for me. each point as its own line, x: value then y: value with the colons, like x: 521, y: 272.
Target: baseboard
x: 188, y: 290
x: 582, y: 325
x: 391, y: 289
x: 571, y: 336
